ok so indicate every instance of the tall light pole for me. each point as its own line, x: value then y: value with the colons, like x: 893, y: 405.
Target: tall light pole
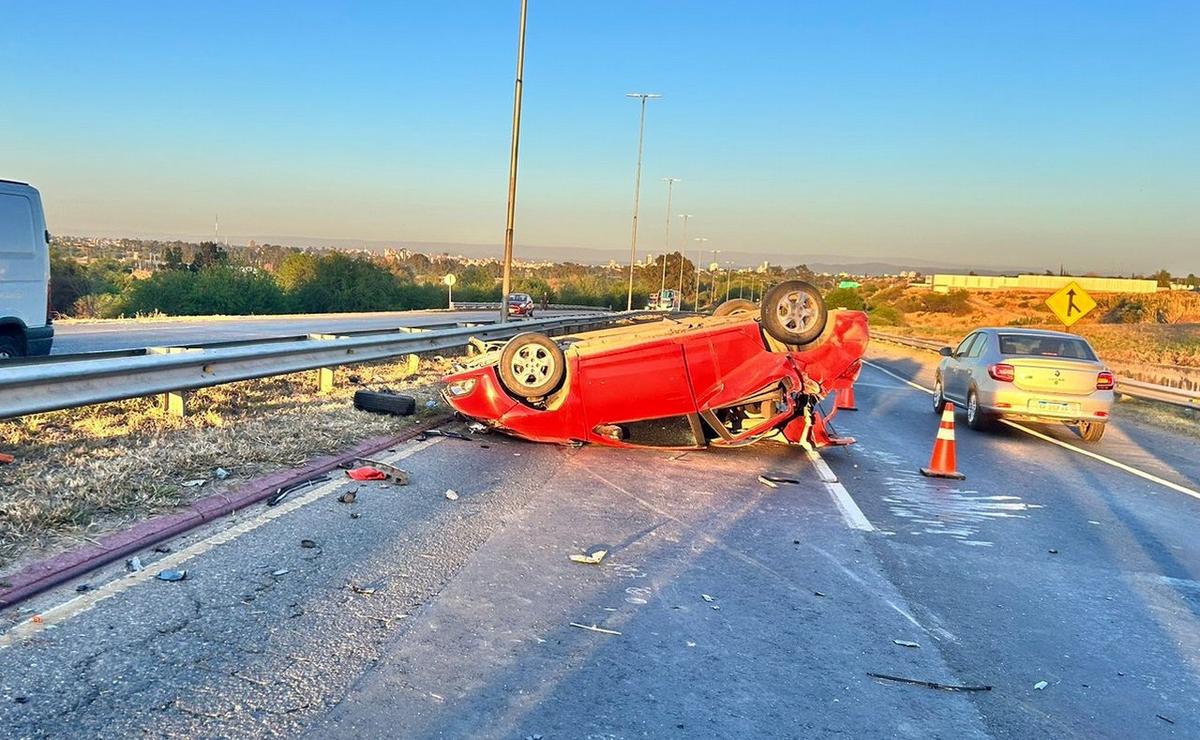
x: 728, y: 277
x: 699, y: 248
x: 670, y: 181
x: 637, y: 189
x: 715, y: 269
x: 682, y: 251
x: 506, y: 283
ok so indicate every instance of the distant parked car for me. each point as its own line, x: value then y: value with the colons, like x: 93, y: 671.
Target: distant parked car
x: 1026, y: 374
x: 26, y: 327
x: 520, y: 304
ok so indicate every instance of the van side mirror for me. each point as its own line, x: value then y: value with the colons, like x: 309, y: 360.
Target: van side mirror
x: 946, y: 352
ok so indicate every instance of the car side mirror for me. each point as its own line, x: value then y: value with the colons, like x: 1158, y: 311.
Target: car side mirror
x: 946, y: 352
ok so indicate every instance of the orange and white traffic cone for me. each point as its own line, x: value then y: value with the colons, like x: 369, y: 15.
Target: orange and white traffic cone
x: 845, y: 399
x: 943, y: 464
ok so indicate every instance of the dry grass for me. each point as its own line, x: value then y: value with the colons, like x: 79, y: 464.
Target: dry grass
x: 85, y: 472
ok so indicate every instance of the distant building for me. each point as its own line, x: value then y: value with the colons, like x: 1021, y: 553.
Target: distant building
x: 945, y: 283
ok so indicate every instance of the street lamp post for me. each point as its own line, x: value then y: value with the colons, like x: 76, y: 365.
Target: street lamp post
x: 670, y: 181
x: 637, y: 189
x: 715, y: 269
x: 506, y: 282
x: 699, y: 248
x: 682, y: 251
x: 728, y: 277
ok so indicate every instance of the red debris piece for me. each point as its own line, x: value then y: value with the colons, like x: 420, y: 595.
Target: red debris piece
x: 367, y: 473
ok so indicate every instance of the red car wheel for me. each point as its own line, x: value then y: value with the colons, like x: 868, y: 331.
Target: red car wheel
x: 531, y: 365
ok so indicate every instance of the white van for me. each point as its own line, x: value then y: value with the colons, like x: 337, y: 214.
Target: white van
x: 25, y: 325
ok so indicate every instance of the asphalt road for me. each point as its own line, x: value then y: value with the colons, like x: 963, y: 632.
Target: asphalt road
x: 94, y: 336
x: 742, y: 610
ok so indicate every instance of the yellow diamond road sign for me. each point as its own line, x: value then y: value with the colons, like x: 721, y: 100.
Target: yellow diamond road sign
x: 1071, y: 303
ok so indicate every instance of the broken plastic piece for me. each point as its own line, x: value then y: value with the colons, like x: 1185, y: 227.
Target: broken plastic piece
x: 308, y: 544
x: 592, y: 558
x: 348, y: 497
x: 195, y: 482
x: 220, y: 473
x: 929, y: 684
x: 172, y: 575
x: 778, y: 478
x: 133, y: 564
x: 451, y: 494
x: 907, y: 643
x: 767, y: 482
x: 400, y: 476
x: 1040, y: 685
x: 706, y: 597
x: 366, y: 473
x: 594, y: 628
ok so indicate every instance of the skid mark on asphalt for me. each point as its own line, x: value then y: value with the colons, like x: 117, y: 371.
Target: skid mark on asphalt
x: 1065, y: 445
x: 57, y: 615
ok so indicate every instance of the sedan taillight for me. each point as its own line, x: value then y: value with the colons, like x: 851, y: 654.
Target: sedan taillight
x: 1003, y: 372
x: 1105, y: 381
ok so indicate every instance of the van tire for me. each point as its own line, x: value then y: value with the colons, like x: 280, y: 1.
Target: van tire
x: 385, y: 403
x: 11, y: 346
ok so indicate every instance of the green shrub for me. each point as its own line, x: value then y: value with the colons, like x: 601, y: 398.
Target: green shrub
x: 886, y: 316
x: 845, y: 298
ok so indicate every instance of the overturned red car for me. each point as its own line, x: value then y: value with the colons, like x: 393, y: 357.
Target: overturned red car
x: 743, y: 374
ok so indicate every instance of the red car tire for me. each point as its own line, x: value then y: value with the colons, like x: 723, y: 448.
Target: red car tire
x: 532, y: 365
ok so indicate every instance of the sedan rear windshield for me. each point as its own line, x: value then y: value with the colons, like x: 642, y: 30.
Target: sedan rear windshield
x: 1069, y: 348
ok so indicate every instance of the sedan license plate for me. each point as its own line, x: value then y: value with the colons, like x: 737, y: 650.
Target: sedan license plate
x: 1059, y: 407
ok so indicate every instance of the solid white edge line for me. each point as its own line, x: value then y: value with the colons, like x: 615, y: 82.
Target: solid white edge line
x: 850, y: 512
x: 61, y: 613
x: 1065, y: 445
x: 1106, y: 460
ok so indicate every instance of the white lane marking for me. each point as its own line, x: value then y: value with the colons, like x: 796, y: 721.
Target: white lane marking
x: 1066, y: 445
x: 906, y: 381
x: 57, y: 615
x: 1106, y: 460
x: 850, y: 512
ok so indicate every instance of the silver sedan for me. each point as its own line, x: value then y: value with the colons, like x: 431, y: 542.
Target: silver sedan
x: 1026, y: 374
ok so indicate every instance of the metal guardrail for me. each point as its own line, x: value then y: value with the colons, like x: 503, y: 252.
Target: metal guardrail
x: 1131, y: 388
x: 67, y: 381
x: 495, y: 305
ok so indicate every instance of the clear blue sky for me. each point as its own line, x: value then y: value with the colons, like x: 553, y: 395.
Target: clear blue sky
x: 1004, y: 133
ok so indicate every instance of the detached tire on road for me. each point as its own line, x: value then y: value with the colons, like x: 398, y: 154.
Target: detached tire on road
x: 1091, y: 431
x: 794, y: 312
x: 532, y: 365
x: 385, y: 403
x: 735, y: 306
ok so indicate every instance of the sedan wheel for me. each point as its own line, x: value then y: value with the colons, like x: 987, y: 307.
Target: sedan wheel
x: 976, y: 417
x: 939, y: 397
x: 531, y: 365
x: 1091, y: 431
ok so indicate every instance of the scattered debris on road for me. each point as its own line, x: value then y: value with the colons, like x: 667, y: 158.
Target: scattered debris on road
x: 280, y: 572
x: 477, y: 428
x: 770, y: 479
x: 7, y: 459
x: 1053, y: 551
x: 172, y: 575
x: 195, y: 482
x: 451, y: 494
x: 707, y: 598
x: 282, y: 493
x: 400, y: 476
x: 907, y: 643
x: 83, y: 588
x: 366, y: 473
x: 929, y: 684
x: 421, y: 437
x: 133, y: 564
x: 1040, y: 685
x: 164, y: 549
x: 348, y: 497
x: 1165, y: 719
x: 594, y: 628
x: 592, y: 558
x: 220, y: 473
x: 308, y: 544
x: 364, y: 590
x: 818, y: 593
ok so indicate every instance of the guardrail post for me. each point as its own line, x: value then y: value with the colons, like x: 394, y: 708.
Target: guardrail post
x: 174, y: 403
x: 325, y: 377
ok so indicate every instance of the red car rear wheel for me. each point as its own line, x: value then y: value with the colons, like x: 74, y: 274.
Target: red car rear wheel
x: 531, y: 365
